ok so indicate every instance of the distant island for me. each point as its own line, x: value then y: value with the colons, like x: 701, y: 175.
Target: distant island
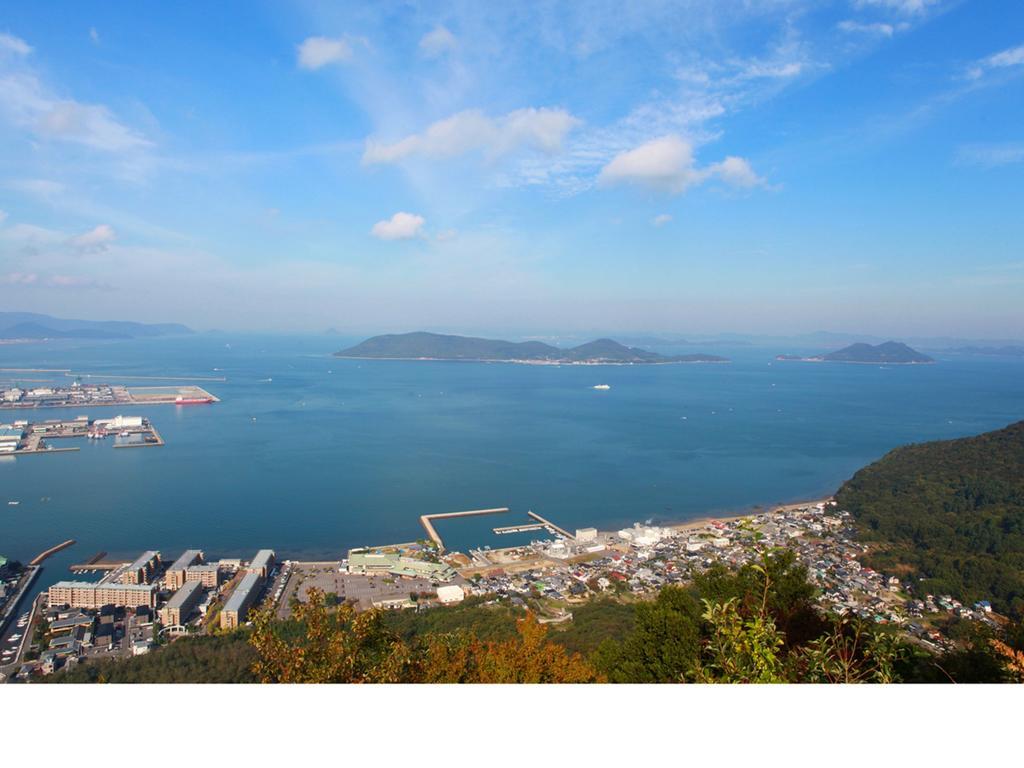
x: 36, y: 327
x: 435, y: 346
x: 888, y: 353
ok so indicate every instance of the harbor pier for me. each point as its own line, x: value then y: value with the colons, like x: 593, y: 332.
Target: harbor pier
x: 38, y: 559
x: 425, y: 521
x: 550, y: 526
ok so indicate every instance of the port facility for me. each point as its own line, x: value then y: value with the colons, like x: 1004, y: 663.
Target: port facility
x: 79, y: 395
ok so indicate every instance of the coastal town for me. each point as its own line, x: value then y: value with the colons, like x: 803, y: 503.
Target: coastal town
x: 135, y: 607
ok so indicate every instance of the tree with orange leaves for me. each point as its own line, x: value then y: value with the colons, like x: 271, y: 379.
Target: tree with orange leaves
x: 528, y: 658
x: 324, y: 646
x: 342, y: 646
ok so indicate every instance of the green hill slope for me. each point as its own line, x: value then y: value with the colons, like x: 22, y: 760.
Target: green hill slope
x: 951, y: 512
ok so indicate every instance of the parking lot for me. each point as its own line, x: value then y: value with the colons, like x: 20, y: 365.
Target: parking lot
x: 365, y: 590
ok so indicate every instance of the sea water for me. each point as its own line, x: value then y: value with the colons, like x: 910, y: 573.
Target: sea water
x: 311, y: 455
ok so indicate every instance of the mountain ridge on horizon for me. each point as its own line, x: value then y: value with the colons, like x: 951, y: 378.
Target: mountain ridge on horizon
x: 37, y: 326
x: 436, y: 346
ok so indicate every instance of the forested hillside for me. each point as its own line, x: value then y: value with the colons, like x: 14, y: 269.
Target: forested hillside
x: 951, y: 512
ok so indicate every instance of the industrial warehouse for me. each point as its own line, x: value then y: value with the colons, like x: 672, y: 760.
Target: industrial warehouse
x: 24, y: 438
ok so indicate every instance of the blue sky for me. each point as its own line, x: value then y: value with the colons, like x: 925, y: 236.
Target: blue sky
x: 691, y: 167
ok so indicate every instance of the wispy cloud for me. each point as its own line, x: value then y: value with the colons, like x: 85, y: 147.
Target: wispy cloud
x: 437, y: 42
x: 19, y: 278
x: 1011, y: 57
x: 907, y: 7
x: 30, y: 279
x: 15, y: 45
x: 27, y: 103
x: 877, y: 28
x: 23, y: 235
x: 98, y: 238
x: 990, y: 155
x: 77, y: 282
x: 661, y: 219
x: 317, y: 52
x: 471, y: 131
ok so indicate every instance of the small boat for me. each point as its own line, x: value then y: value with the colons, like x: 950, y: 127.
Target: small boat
x: 13, y: 503
x: 602, y: 386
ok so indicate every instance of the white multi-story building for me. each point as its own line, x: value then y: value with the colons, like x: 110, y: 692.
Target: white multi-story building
x: 87, y: 594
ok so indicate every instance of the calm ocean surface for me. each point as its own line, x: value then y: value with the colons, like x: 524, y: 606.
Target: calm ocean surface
x: 311, y: 455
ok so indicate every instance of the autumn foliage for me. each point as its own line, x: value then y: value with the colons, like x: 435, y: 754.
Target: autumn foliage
x: 323, y: 645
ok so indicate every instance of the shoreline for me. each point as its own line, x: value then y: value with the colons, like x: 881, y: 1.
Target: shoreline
x: 779, y: 359
x: 535, y: 362
x: 694, y: 524
x: 701, y: 522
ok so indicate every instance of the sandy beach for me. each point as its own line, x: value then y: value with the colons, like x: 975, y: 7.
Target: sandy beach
x: 704, y: 522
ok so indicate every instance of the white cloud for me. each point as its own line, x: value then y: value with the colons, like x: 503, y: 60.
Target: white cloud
x: 12, y: 44
x: 661, y: 219
x: 401, y: 226
x: 27, y: 103
x: 437, y: 42
x: 317, y: 52
x: 908, y: 7
x: 667, y: 164
x: 1011, y: 57
x: 736, y: 172
x: 96, y: 239
x: 446, y: 235
x: 664, y: 164
x: 878, y: 28
x: 94, y: 35
x: 539, y: 129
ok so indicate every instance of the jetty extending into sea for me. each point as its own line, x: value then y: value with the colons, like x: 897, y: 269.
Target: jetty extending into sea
x: 425, y: 521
